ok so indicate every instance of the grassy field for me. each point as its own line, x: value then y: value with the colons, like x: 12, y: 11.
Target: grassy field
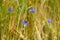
x: 18, y: 22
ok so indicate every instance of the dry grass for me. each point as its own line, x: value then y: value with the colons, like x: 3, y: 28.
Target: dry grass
x: 38, y: 27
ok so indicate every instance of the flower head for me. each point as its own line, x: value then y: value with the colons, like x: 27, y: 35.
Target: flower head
x: 24, y: 22
x: 49, y: 20
x: 32, y: 10
x: 10, y: 9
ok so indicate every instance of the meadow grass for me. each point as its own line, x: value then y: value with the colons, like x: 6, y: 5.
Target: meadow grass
x: 43, y: 24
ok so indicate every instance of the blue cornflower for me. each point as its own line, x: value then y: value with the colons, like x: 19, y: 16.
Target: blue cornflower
x: 10, y: 9
x: 49, y: 20
x: 32, y: 10
x: 24, y: 22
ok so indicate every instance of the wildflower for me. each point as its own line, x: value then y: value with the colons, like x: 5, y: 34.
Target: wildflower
x: 32, y: 10
x: 24, y: 22
x: 49, y: 20
x: 10, y: 9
